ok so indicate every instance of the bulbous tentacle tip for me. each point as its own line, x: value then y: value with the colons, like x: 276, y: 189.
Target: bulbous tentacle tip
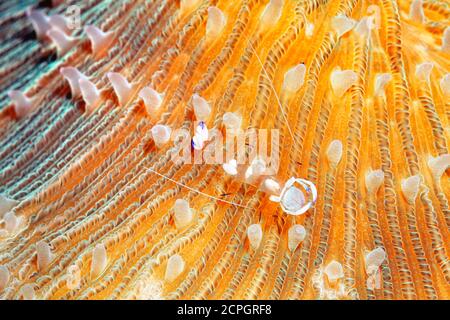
x: 342, y: 24
x: 294, y: 78
x: 334, y: 271
x: 410, y: 188
x: 256, y: 168
x: 62, y: 41
x: 215, y: 24
x: 254, y: 235
x: 272, y: 186
x: 161, y: 134
x: 100, y: 41
x: 44, y: 255
x: 152, y: 99
x: 89, y: 93
x: 12, y: 222
x: 6, y: 204
x: 416, y: 12
x: 296, y: 235
x: 39, y: 21
x: 423, y: 71
x: 22, y: 104
x: 59, y: 22
x: 73, y: 76
x: 343, y: 80
x: 175, y: 267
x: 183, y: 214
x: 375, y: 258
x: 202, y: 109
x: 271, y: 14
x: 374, y: 180
x: 334, y: 152
x: 230, y: 167
x: 438, y: 165
x: 309, y: 30
x: 121, y: 86
x: 99, y: 260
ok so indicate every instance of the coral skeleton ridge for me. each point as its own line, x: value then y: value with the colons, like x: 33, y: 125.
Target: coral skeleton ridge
x: 132, y: 162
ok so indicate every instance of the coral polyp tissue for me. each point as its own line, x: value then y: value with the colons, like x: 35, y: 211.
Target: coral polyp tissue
x: 129, y: 168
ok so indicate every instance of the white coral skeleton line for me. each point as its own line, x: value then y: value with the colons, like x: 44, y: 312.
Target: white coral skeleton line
x: 285, y: 118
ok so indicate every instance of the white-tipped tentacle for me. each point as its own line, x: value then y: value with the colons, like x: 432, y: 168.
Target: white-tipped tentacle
x: 12, y: 222
x: 60, y: 22
x: 296, y: 234
x: 334, y: 152
x: 161, y: 134
x: 309, y: 30
x: 416, y: 11
x: 410, y: 188
x: 257, y: 168
x: 271, y: 14
x: 202, y: 109
x: 215, y: 24
x: 99, y: 260
x: 375, y: 258
x: 6, y: 204
x: 374, y: 180
x: 230, y: 167
x: 272, y: 186
x: 182, y: 213
x: 294, y: 79
x: 90, y: 93
x: 342, y: 24
x: 254, y: 235
x: 334, y: 271
x: 44, y: 255
x: 438, y: 165
x: 73, y: 76
x: 152, y: 99
x: 62, y: 41
x: 40, y: 22
x: 423, y: 71
x: 341, y: 81
x: 175, y: 266
x: 100, y: 41
x: 122, y: 88
x: 22, y: 104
